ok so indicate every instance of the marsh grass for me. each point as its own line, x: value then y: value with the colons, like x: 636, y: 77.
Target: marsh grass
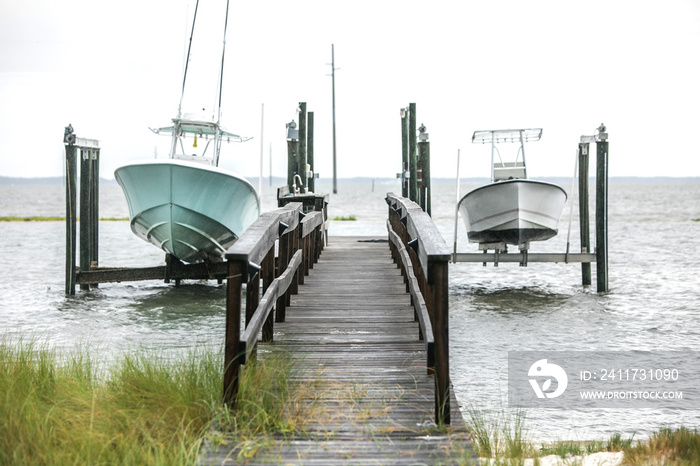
x: 666, y: 447
x: 349, y: 218
x: 144, y: 409
x: 502, y: 437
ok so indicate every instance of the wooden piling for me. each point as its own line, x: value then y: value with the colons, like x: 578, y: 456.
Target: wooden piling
x: 440, y: 306
x: 424, y: 165
x: 87, y: 211
x: 412, y: 158
x: 404, y: 152
x: 602, y: 210
x: 583, y: 210
x: 301, y: 159
x: 71, y: 222
x: 310, y: 151
x: 95, y: 219
x: 292, y: 151
x: 232, y: 351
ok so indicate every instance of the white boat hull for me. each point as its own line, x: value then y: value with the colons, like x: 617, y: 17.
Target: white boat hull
x: 513, y: 211
x: 190, y: 210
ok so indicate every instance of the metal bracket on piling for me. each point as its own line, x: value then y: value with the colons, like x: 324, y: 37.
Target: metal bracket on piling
x: 252, y: 269
x: 282, y: 228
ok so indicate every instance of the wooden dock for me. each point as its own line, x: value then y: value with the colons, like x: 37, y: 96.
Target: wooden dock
x: 352, y: 323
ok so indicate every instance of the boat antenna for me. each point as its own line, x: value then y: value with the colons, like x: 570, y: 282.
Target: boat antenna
x: 217, y: 135
x: 187, y: 62
x: 221, y: 77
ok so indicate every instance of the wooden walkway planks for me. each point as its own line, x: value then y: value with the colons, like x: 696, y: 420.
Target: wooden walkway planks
x: 352, y: 325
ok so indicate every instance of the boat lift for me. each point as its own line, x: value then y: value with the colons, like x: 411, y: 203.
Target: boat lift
x: 599, y: 254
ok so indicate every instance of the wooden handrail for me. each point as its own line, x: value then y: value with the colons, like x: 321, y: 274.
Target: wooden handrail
x: 252, y: 258
x: 427, y: 260
x: 258, y: 238
x: 431, y: 246
x: 426, y: 328
x: 278, y: 287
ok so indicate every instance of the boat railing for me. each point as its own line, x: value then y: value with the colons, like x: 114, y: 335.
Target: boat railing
x: 423, y: 256
x: 298, y: 239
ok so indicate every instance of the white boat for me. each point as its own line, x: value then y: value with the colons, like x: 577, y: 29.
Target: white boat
x: 187, y: 205
x: 511, y: 209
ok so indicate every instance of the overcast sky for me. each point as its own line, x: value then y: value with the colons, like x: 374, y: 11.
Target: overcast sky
x: 112, y: 69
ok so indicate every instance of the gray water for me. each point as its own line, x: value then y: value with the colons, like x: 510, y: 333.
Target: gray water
x: 653, y: 303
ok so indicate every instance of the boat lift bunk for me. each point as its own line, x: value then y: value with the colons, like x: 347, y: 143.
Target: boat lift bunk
x: 497, y: 253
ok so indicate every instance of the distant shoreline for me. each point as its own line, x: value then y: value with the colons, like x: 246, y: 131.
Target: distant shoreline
x: 279, y: 181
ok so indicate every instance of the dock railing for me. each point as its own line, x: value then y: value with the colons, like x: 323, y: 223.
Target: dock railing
x: 423, y: 256
x: 299, y: 240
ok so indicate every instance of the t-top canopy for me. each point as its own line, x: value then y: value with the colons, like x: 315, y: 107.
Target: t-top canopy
x: 507, y: 135
x: 199, y: 128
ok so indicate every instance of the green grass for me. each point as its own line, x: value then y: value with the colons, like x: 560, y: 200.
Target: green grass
x: 349, y: 218
x: 146, y: 408
x: 55, y: 219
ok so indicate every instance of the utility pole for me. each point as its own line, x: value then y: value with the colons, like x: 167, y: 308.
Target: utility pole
x: 335, y: 173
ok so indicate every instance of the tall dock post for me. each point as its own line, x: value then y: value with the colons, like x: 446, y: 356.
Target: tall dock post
x: 71, y: 208
x: 292, y: 148
x: 404, y: 152
x: 301, y: 160
x: 412, y: 158
x: 89, y: 215
x: 584, y: 215
x: 310, y: 183
x: 89, y: 212
x: 424, y: 167
x: 602, y: 209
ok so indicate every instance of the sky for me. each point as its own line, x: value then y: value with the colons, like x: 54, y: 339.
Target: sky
x: 114, y: 69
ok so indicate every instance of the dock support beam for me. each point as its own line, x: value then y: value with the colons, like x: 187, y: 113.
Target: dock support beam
x: 602, y: 210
